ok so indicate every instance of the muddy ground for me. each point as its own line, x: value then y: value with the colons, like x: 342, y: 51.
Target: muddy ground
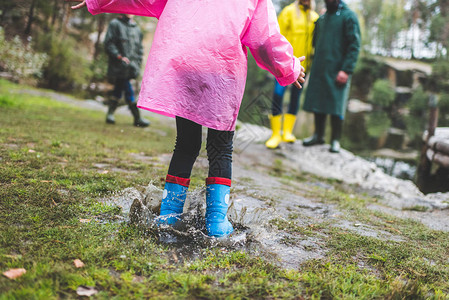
x: 264, y: 191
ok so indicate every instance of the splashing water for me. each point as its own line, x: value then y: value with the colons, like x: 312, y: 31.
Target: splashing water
x: 191, y: 226
x: 187, y: 238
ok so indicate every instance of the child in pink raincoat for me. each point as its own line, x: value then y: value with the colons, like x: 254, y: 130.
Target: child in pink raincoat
x: 196, y: 72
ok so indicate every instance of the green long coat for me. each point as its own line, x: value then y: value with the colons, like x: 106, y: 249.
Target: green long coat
x: 123, y: 38
x: 337, y: 45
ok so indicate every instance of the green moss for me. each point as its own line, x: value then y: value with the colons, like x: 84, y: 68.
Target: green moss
x: 417, y: 208
x: 47, y: 191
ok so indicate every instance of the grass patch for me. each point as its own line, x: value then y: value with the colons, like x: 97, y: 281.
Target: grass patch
x: 419, y: 208
x: 364, y: 267
x: 50, y: 180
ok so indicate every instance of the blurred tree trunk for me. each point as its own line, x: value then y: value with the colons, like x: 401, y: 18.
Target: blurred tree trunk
x: 30, y: 17
x: 391, y: 23
x: 65, y: 17
x: 444, y: 7
x: 55, y: 13
x: 415, y: 15
x: 370, y: 11
x: 444, y: 34
x: 6, y: 6
x: 101, y: 25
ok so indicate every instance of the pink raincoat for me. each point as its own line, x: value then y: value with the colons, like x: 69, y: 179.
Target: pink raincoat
x: 198, y: 60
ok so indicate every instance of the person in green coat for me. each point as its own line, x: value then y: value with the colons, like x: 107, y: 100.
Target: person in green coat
x: 123, y: 44
x: 337, y: 44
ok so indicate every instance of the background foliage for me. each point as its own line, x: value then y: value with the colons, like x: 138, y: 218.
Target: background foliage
x: 49, y: 44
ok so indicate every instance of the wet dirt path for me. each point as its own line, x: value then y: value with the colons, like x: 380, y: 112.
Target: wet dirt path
x: 264, y: 198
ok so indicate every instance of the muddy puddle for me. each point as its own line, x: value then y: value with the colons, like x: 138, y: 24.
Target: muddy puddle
x: 275, y: 219
x: 254, y: 230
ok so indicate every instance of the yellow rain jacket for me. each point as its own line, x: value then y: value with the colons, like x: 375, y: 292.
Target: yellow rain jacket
x: 297, y: 25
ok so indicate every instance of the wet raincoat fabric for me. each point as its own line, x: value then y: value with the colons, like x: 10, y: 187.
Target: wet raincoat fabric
x: 198, y: 60
x: 124, y: 38
x: 297, y: 25
x: 337, y: 45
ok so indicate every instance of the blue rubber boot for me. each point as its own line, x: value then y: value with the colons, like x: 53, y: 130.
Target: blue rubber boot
x: 173, y: 199
x: 217, y: 200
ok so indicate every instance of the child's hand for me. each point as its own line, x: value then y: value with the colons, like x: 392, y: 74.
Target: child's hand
x: 82, y: 4
x: 300, y: 79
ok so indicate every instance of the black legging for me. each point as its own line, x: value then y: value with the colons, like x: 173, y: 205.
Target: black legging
x: 188, y: 145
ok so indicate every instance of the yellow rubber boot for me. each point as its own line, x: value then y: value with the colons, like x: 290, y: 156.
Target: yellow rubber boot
x: 275, y: 139
x: 289, y: 124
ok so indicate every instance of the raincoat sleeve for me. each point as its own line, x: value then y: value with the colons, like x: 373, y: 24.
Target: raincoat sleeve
x: 146, y: 8
x: 352, y: 40
x: 140, y: 48
x: 110, y: 41
x: 270, y: 49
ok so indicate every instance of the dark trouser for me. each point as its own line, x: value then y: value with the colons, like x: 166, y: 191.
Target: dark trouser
x: 123, y: 85
x: 188, y: 145
x: 336, y: 125
x: 320, y: 124
x: 278, y: 96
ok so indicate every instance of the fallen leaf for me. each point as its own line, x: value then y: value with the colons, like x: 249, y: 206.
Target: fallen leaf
x: 86, y: 291
x: 14, y: 273
x: 46, y: 181
x: 31, y: 151
x: 78, y: 263
x: 85, y: 220
x: 417, y: 273
x: 104, y: 172
x: 394, y: 229
x: 56, y: 241
x: 138, y: 279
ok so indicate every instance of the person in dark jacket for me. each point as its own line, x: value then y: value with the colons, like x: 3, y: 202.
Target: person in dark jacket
x: 123, y: 44
x: 337, y: 45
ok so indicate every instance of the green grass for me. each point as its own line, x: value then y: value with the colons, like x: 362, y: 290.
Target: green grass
x: 48, y: 182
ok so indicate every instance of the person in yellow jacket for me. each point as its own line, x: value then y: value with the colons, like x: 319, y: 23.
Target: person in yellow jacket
x: 297, y: 22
